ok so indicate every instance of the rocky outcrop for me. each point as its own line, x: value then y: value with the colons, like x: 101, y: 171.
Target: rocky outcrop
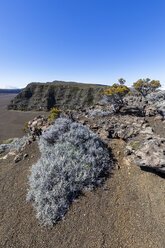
x: 148, y: 152
x: 36, y: 126
x: 44, y: 96
x: 133, y: 124
x: 158, y: 99
x: 151, y: 110
x: 143, y: 145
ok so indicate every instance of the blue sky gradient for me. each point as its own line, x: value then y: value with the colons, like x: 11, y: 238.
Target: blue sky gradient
x: 90, y: 41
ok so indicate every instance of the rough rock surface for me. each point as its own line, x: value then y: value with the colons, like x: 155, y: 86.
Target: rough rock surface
x: 158, y: 99
x: 148, y: 152
x: 131, y: 128
x: 118, y: 126
x: 36, y: 126
x: 151, y: 110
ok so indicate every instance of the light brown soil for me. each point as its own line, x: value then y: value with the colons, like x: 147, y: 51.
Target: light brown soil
x: 11, y: 122
x: 130, y: 213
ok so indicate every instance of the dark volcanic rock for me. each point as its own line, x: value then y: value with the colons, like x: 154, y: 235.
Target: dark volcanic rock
x: 44, y: 96
x: 151, y: 154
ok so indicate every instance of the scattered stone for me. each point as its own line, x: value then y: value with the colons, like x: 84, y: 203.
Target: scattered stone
x: 159, y: 118
x: 8, y: 154
x: 11, y: 153
x: 151, y: 110
x: 36, y: 126
x: 5, y: 157
x: 25, y: 156
x: 18, y: 158
x: 128, y: 152
x: 147, y: 130
x: 124, y: 127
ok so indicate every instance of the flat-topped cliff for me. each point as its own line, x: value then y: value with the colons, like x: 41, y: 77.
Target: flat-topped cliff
x: 43, y: 96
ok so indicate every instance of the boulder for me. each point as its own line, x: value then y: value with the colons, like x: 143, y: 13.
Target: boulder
x: 151, y: 153
x: 18, y: 157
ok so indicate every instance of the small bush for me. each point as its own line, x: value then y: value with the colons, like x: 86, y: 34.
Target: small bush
x: 115, y: 94
x: 73, y: 158
x: 54, y: 114
x: 24, y: 129
x: 146, y: 86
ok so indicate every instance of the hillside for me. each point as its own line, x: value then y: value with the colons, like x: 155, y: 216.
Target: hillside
x: 43, y: 96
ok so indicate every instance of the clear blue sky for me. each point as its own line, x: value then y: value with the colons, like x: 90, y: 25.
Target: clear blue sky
x: 91, y: 41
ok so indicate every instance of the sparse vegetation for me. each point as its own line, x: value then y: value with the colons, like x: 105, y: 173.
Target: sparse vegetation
x: 121, y: 81
x: 97, y: 112
x: 74, y: 89
x: 115, y: 94
x: 54, y: 114
x: 6, y: 142
x: 73, y: 158
x: 24, y: 129
x: 135, y: 145
x: 146, y: 86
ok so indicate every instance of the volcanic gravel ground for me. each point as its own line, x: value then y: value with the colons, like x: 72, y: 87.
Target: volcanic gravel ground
x: 11, y: 122
x: 129, y: 213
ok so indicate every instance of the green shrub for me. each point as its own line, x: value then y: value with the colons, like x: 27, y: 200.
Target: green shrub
x: 115, y: 94
x: 146, y: 86
x: 24, y: 129
x: 54, y: 114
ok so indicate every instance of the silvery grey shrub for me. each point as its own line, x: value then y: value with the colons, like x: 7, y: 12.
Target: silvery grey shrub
x: 72, y: 159
x: 97, y: 112
x: 15, y: 145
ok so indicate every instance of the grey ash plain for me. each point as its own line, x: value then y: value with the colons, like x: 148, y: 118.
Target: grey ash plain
x: 11, y: 122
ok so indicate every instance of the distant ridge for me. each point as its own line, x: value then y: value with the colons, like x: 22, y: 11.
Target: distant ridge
x: 60, y: 94
x: 10, y: 91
